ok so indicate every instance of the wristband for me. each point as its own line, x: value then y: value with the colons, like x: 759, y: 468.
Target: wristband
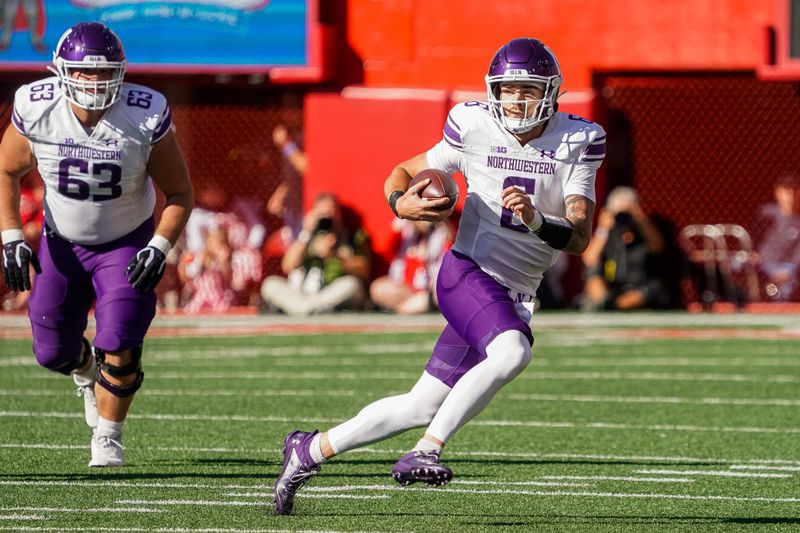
x: 289, y: 148
x: 393, y: 201
x: 536, y: 223
x: 555, y: 231
x: 160, y: 243
x: 601, y: 233
x: 11, y: 235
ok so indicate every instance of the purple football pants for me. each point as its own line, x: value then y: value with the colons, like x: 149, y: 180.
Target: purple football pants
x: 73, y: 277
x: 477, y: 309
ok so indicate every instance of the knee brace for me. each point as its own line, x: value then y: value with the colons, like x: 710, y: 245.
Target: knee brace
x: 134, y: 367
x: 78, y: 362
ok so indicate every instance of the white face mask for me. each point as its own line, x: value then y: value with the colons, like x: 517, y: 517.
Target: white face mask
x: 90, y: 94
x: 534, y: 112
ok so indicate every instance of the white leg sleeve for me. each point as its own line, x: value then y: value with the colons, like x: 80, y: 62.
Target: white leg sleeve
x: 389, y: 416
x: 506, y: 356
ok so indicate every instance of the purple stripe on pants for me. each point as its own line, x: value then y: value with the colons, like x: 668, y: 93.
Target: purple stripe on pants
x: 72, y: 278
x: 477, y: 309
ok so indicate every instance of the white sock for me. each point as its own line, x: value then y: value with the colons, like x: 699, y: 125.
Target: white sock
x: 87, y: 376
x: 506, y: 356
x: 390, y: 416
x: 315, y: 449
x: 109, y: 428
x: 425, y: 445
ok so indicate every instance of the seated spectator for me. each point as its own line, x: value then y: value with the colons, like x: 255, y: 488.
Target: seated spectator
x: 327, y: 265
x: 622, y: 259
x: 209, y: 232
x: 779, y: 246
x: 209, y: 273
x: 410, y: 286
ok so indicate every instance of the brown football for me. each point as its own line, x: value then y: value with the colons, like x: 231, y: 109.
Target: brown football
x: 442, y: 185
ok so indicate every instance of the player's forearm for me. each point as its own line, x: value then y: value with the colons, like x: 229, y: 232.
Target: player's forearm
x: 397, y: 181
x: 174, y: 218
x: 9, y: 202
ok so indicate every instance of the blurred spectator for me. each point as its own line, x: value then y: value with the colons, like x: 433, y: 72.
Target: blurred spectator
x: 326, y: 265
x: 31, y: 214
x: 210, y: 274
x: 779, y: 245
x: 410, y: 286
x: 622, y: 259
x: 285, y: 200
x: 213, y: 237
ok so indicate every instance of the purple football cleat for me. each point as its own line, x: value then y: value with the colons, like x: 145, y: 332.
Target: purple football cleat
x: 421, y: 466
x: 298, y: 467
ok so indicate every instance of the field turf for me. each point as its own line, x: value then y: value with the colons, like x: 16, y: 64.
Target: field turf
x: 622, y: 423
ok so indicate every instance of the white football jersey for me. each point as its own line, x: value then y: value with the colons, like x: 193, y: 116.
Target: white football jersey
x: 96, y: 184
x: 561, y: 162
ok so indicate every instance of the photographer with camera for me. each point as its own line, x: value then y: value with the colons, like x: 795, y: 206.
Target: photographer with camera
x: 326, y: 266
x: 622, y: 259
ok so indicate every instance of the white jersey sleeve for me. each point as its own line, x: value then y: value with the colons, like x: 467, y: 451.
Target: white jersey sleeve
x: 96, y: 184
x: 562, y: 161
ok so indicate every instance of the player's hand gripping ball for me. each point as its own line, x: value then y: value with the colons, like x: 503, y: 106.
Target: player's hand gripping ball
x: 442, y: 185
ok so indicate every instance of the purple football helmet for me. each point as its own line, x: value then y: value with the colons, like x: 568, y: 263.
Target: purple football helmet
x: 524, y: 62
x: 90, y: 46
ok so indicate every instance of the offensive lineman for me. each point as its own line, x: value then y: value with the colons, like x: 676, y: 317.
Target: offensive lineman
x: 530, y: 174
x: 99, y: 145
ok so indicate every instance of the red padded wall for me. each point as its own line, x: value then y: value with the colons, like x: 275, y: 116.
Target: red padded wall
x: 355, y: 141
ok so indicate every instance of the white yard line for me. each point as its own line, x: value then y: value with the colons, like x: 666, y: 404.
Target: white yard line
x: 492, y: 423
x: 450, y: 488
x: 534, y: 374
x: 763, y: 467
x: 719, y: 473
x: 173, y: 530
x: 262, y: 495
x: 80, y: 510
x: 173, y: 392
x: 440, y: 491
x: 626, y: 478
x: 22, y: 517
x: 791, y: 463
x: 776, y: 402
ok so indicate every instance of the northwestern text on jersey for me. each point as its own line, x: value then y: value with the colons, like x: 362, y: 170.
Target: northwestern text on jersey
x: 521, y: 165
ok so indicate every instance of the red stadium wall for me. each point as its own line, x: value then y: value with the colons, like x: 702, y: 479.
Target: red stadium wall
x: 447, y: 43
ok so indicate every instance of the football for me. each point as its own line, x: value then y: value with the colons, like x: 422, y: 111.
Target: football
x: 442, y: 185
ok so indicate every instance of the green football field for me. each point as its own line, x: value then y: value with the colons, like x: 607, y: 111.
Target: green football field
x: 622, y: 423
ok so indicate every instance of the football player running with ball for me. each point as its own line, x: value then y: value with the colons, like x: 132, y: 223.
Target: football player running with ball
x: 530, y: 175
x: 99, y: 145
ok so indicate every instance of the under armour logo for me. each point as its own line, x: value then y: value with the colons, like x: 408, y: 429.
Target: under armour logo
x: 110, y: 142
x: 295, y: 441
x: 548, y: 153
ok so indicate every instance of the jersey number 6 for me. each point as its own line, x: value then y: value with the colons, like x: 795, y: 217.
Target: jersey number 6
x: 507, y: 215
x: 79, y: 189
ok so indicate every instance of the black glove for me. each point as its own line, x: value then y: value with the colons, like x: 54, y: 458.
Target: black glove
x: 146, y: 268
x: 17, y: 256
